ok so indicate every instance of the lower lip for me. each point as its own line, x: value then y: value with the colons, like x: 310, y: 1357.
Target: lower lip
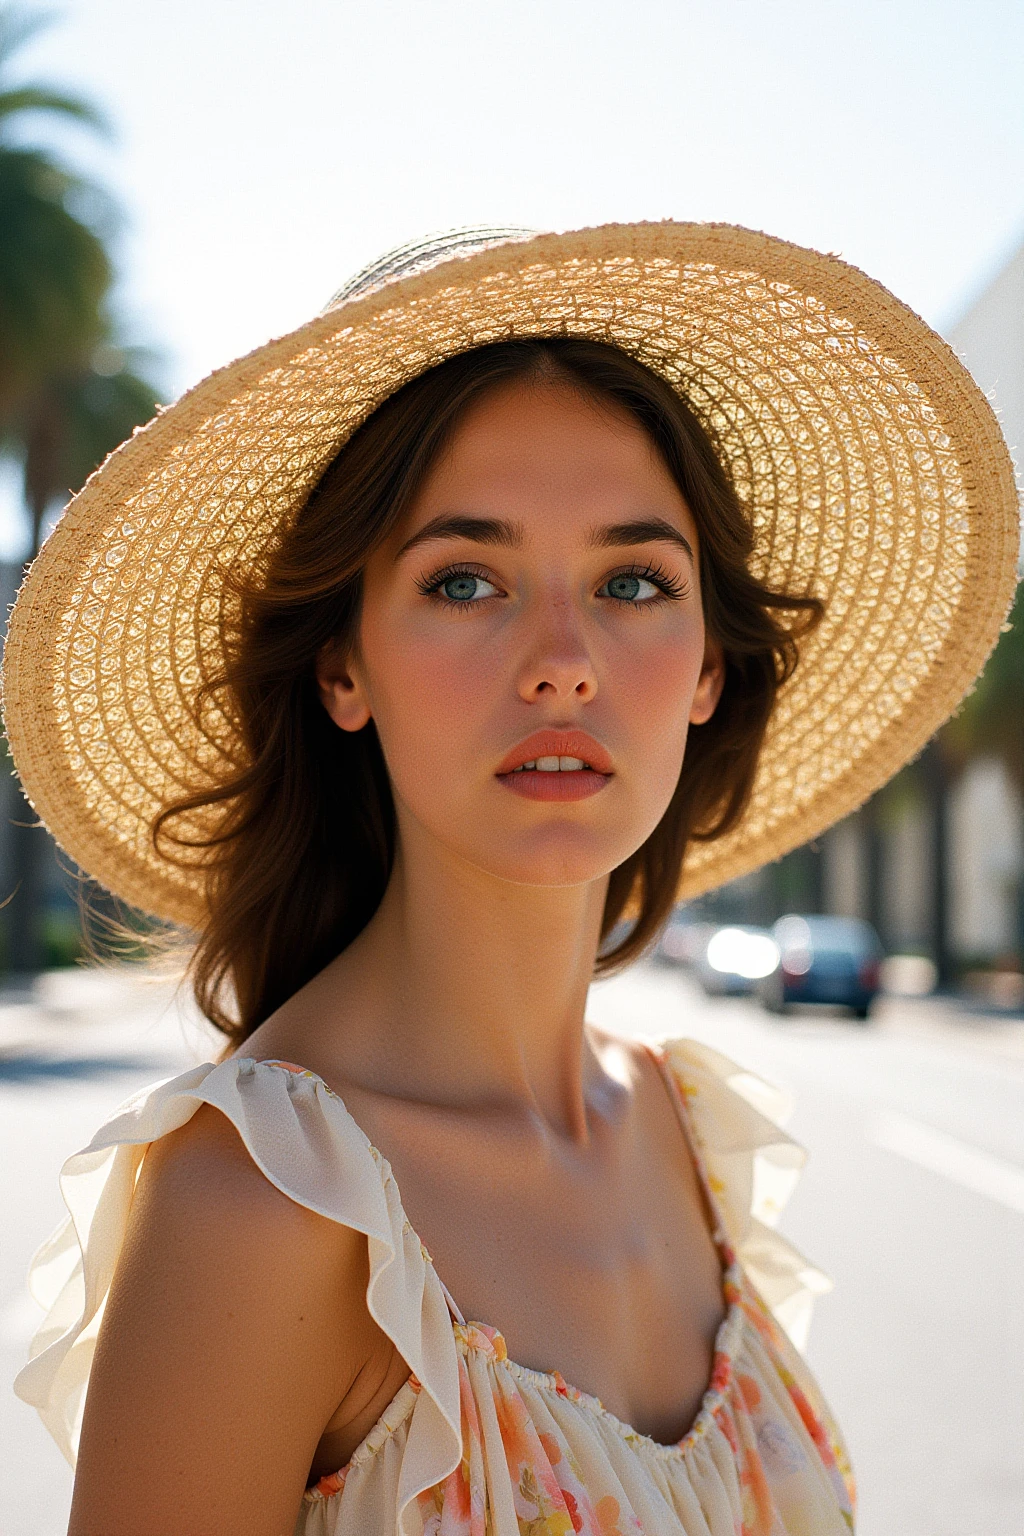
x: 555, y: 786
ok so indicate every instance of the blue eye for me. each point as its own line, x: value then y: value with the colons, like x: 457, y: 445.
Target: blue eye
x: 461, y: 589
x: 627, y: 588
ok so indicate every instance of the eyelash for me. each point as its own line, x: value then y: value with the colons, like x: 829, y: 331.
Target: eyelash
x: 672, y: 589
x: 430, y: 586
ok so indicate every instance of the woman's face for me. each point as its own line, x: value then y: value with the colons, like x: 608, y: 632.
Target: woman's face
x: 532, y: 643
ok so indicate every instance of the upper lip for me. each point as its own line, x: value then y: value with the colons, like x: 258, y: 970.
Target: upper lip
x: 552, y: 743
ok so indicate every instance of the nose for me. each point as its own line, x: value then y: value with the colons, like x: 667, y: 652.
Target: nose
x: 558, y: 663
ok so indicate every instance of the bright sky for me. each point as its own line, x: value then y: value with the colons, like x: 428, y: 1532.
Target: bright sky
x: 264, y: 151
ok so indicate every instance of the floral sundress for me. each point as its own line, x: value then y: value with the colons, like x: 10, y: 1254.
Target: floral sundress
x: 474, y: 1444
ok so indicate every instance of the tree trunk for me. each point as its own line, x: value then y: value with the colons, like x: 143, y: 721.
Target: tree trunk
x: 25, y: 912
x: 935, y: 773
x: 26, y: 907
x: 874, y: 869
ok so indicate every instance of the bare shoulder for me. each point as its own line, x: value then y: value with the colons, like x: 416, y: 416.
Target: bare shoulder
x: 201, y: 1182
x: 235, y: 1326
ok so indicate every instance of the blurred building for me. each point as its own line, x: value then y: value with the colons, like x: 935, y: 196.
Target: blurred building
x: 990, y: 339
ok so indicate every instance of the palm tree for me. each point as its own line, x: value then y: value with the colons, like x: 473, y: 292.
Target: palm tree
x: 68, y: 395
x: 73, y: 420
x: 54, y: 270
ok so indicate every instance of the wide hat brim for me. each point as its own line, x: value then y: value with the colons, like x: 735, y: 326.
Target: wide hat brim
x: 871, y: 464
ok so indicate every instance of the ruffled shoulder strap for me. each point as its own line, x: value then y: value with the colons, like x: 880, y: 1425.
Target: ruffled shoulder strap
x: 752, y: 1168
x: 303, y: 1139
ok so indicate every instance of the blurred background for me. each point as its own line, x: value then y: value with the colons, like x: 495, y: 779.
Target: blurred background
x: 178, y: 184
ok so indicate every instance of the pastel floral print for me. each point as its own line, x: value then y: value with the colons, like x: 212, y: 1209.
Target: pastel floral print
x: 548, y: 1491
x: 553, y: 1495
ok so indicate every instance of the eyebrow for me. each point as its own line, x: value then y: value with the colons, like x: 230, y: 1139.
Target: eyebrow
x: 479, y: 530
x: 507, y: 535
x: 646, y: 530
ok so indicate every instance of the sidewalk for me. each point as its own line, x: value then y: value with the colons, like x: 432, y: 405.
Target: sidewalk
x: 91, y: 997
x: 97, y: 1012
x: 955, y: 1021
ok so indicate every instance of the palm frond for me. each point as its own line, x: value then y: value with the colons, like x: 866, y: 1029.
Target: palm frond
x: 39, y: 98
x: 55, y: 274
x: 71, y: 425
x: 18, y: 25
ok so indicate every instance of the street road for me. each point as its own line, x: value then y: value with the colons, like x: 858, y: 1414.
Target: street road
x: 913, y: 1201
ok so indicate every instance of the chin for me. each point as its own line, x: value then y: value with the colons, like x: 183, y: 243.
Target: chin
x: 555, y: 861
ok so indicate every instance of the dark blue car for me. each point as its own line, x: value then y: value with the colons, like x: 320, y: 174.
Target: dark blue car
x: 824, y: 960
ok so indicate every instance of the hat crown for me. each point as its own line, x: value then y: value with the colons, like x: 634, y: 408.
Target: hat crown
x: 423, y: 255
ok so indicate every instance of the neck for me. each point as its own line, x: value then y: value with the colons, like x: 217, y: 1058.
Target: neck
x: 467, y: 990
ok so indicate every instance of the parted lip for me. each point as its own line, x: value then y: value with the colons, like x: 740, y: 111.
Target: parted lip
x: 553, y: 743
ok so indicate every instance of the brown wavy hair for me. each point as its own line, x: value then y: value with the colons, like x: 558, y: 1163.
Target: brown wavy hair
x: 305, y: 834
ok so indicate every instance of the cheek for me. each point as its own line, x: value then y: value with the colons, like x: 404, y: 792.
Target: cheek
x: 431, y: 694
x: 654, y: 685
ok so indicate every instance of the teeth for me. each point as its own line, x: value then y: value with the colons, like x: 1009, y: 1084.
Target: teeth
x: 553, y: 765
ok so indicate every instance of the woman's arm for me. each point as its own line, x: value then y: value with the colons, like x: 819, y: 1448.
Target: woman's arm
x: 235, y: 1328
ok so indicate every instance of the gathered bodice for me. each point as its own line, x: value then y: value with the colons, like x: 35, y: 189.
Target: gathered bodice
x: 474, y: 1444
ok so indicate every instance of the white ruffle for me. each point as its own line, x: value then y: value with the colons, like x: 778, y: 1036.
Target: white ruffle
x: 753, y: 1168
x: 301, y: 1136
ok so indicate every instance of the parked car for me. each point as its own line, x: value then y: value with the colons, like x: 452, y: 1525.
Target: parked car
x: 824, y: 960
x: 733, y: 960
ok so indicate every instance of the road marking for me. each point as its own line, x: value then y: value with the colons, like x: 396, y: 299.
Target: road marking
x: 955, y: 1160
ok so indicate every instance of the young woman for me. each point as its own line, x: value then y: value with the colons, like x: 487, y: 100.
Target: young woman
x: 406, y: 662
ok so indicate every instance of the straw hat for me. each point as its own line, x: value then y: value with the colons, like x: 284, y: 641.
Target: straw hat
x: 873, y: 469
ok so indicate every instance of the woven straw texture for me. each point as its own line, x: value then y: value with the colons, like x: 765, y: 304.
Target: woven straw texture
x: 873, y: 469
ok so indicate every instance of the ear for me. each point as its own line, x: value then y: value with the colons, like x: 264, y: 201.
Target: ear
x: 709, y: 684
x: 341, y: 690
